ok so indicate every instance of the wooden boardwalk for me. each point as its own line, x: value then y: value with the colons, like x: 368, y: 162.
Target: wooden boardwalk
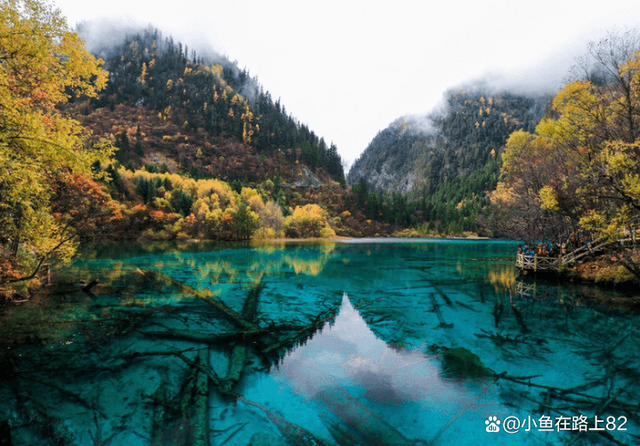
x: 538, y: 263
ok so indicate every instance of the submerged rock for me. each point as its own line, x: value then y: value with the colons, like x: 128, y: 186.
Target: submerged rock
x: 462, y: 363
x: 262, y: 439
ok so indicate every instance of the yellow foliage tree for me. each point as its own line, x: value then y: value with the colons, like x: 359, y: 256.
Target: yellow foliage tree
x: 42, y: 63
x: 581, y: 168
x: 308, y: 221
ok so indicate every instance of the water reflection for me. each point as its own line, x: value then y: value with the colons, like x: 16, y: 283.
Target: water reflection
x: 370, y: 391
x: 573, y: 295
x: 349, y: 353
x: 503, y: 278
x: 218, y: 264
x: 377, y: 374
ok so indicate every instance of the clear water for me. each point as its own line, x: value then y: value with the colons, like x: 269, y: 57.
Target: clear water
x: 391, y: 321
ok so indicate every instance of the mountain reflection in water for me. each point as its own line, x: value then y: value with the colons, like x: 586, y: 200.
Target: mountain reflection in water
x: 348, y: 353
x: 363, y: 384
x: 130, y: 363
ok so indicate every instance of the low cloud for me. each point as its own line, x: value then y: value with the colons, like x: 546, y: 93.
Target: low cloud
x: 103, y: 35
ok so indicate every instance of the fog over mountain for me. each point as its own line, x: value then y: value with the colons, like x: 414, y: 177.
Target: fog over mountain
x: 104, y: 35
x: 349, y: 74
x: 421, y: 153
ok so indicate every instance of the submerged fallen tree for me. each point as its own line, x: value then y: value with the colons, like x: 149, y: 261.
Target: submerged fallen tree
x: 221, y: 307
x: 359, y: 417
x: 198, y: 378
x: 250, y: 337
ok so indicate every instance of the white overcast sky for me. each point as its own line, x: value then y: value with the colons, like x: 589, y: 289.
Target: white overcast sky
x: 348, y: 68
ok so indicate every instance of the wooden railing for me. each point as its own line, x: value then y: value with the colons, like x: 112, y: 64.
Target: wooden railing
x: 540, y: 263
x: 537, y: 263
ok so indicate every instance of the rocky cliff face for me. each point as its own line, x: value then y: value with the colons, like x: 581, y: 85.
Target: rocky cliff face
x: 422, y: 153
x: 388, y: 164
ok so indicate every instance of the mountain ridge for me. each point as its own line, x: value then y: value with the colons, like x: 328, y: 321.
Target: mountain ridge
x: 206, y: 96
x: 425, y: 151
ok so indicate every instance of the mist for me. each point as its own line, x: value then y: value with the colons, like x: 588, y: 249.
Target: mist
x: 347, y: 80
x: 102, y: 36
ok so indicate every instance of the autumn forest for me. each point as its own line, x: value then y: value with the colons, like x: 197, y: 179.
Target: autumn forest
x: 149, y: 140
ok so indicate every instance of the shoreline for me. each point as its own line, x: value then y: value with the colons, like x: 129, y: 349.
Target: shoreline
x: 597, y: 271
x: 389, y: 239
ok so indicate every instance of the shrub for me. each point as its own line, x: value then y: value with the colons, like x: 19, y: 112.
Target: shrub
x: 308, y: 221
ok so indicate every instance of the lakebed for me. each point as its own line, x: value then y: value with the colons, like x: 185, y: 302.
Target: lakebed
x: 392, y: 341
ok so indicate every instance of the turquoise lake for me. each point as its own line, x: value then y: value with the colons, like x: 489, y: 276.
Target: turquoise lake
x: 358, y: 342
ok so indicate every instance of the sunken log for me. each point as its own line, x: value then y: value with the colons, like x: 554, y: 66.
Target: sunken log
x: 201, y: 402
x: 157, y: 429
x: 360, y: 418
x: 222, y: 338
x: 239, y: 353
x: 229, y: 314
x: 87, y: 287
x: 294, y: 434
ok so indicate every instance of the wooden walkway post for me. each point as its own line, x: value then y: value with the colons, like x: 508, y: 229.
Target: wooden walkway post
x: 554, y: 263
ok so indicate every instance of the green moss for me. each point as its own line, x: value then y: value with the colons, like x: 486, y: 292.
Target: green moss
x: 622, y: 275
x: 461, y: 363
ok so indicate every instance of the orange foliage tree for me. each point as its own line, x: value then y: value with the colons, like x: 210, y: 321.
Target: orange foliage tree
x: 42, y: 64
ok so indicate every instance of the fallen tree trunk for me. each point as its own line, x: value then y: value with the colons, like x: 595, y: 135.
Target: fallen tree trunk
x: 360, y: 418
x: 238, y: 357
x: 295, y: 435
x: 157, y: 428
x: 498, y: 308
x: 250, y: 308
x: 436, y: 308
x: 518, y: 314
x: 619, y: 341
x: 212, y: 339
x: 559, y: 390
x: 192, y: 426
x: 236, y: 366
x: 231, y: 315
x: 443, y: 295
x: 210, y: 373
x: 342, y: 435
x: 201, y: 402
x: 87, y: 287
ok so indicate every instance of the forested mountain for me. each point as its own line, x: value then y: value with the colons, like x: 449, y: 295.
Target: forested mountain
x: 200, y: 151
x: 444, y: 163
x: 205, y: 95
x: 156, y: 143
x: 420, y: 153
